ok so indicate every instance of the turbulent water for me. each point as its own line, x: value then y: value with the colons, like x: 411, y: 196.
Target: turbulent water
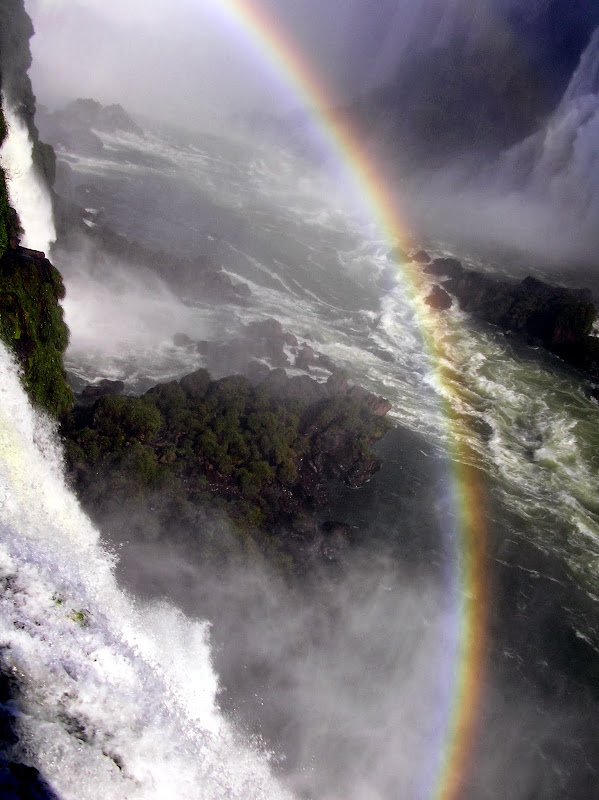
x: 556, y: 167
x: 328, y: 278
x: 28, y: 195
x: 105, y: 709
x: 352, y: 690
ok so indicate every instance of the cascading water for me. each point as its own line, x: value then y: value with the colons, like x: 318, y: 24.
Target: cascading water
x: 28, y: 194
x: 559, y: 163
x: 114, y: 700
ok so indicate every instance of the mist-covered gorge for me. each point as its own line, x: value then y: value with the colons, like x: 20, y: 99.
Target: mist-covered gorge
x: 340, y: 678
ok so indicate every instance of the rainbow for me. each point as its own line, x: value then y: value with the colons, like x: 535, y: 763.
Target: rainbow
x: 469, y: 535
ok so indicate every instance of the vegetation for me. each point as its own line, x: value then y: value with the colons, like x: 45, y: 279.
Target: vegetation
x: 32, y: 324
x: 199, y: 446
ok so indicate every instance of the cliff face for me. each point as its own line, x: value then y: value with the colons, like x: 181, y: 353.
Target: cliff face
x: 15, y: 59
x: 31, y: 318
x: 5, y: 214
x: 32, y: 324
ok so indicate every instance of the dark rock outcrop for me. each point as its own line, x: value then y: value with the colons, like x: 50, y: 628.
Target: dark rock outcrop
x: 104, y: 388
x: 439, y: 299
x: 262, y: 345
x: 420, y: 257
x: 75, y: 125
x: 262, y: 454
x: 32, y: 325
x: 553, y: 317
x: 444, y: 267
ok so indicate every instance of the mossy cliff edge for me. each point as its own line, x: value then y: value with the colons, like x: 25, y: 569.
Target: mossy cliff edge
x: 31, y: 318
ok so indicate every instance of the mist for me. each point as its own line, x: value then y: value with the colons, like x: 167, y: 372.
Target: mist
x: 344, y: 675
x: 527, y: 185
x: 122, y: 319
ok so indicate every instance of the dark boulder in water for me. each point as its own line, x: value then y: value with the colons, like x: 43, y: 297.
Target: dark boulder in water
x: 398, y: 254
x: 553, y: 317
x: 439, y: 299
x: 444, y: 267
x: 420, y: 257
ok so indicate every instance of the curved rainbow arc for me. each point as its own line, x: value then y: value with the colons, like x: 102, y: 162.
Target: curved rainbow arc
x: 468, y: 490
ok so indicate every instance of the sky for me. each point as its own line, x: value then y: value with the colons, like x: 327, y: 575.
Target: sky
x: 190, y: 58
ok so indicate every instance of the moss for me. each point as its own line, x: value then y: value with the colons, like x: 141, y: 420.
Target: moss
x: 32, y: 324
x: 207, y: 447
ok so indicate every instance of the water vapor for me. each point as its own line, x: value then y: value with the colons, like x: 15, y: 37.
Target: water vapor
x: 122, y: 320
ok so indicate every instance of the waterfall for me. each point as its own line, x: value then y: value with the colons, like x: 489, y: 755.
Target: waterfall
x: 115, y: 699
x: 27, y: 192
x: 559, y: 164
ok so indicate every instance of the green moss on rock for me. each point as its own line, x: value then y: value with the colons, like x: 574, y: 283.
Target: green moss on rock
x: 32, y: 324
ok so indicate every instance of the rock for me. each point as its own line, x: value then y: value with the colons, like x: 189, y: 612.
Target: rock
x: 420, y: 257
x: 183, y: 340
x: 268, y: 340
x: 257, y: 371
x: 305, y: 357
x: 335, y: 540
x: 337, y: 383
x: 438, y: 299
x: 101, y: 389
x: 378, y: 405
x: 324, y: 362
x: 444, y: 267
x: 542, y: 315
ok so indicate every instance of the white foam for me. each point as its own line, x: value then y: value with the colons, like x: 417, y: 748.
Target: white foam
x: 26, y: 190
x: 116, y: 700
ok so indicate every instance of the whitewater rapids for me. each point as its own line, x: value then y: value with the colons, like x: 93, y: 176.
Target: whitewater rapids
x: 114, y: 700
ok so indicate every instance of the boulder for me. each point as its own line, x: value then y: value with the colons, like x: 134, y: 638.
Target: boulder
x: 103, y: 388
x: 438, y: 299
x: 420, y: 257
x: 444, y: 267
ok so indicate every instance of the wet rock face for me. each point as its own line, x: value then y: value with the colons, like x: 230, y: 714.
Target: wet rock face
x: 439, y: 299
x: 32, y: 325
x: 444, y: 267
x: 103, y: 388
x: 553, y: 317
x: 420, y: 257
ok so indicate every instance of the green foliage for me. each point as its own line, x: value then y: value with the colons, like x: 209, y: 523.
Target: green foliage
x: 222, y: 446
x: 123, y: 420
x: 32, y: 324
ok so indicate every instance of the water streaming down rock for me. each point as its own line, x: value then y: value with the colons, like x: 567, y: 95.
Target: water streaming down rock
x: 28, y: 194
x: 558, y: 165
x: 112, y: 699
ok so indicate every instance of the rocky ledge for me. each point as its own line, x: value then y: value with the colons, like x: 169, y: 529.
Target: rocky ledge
x: 558, y: 319
x: 32, y: 324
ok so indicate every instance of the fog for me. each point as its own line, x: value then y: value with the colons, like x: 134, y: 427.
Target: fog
x: 193, y: 60
x: 196, y: 64
x: 122, y: 319
x: 345, y: 675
